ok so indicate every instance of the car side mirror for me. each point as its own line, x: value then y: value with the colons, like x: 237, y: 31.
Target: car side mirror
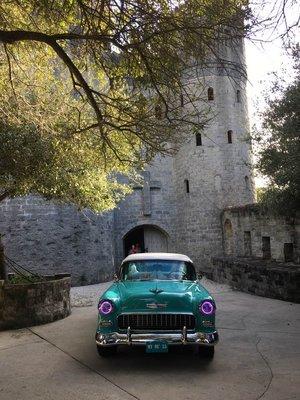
x: 199, y: 275
x: 116, y: 278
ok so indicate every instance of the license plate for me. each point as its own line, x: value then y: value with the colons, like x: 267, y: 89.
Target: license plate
x: 156, y: 347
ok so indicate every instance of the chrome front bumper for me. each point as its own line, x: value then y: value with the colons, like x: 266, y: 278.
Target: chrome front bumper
x: 136, y: 339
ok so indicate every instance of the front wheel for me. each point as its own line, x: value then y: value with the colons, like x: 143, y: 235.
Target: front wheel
x: 207, y: 352
x: 106, y: 351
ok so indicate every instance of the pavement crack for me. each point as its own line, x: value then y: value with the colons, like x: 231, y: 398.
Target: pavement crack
x: 84, y: 364
x: 268, y: 366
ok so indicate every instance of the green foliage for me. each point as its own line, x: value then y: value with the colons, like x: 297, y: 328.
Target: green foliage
x: 81, y: 83
x: 280, y: 154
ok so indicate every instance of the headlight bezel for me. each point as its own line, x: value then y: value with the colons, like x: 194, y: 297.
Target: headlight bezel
x: 105, y: 307
x: 207, y: 308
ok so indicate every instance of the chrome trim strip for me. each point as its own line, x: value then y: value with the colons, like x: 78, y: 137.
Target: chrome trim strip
x: 135, y: 339
x: 184, y: 335
x: 154, y: 313
x: 128, y: 336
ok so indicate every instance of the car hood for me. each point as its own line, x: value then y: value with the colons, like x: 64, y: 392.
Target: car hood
x: 160, y: 296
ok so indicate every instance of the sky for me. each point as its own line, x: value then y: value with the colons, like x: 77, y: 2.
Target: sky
x: 262, y: 61
x: 265, y: 55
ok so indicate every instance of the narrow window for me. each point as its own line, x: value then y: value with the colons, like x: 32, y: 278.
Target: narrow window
x: 198, y: 139
x: 238, y: 96
x: 288, y: 249
x: 158, y: 111
x: 247, y: 244
x: 181, y: 100
x: 210, y: 94
x: 187, y: 186
x: 266, y: 247
x: 247, y: 182
x: 112, y: 83
x: 228, y: 231
x: 229, y: 136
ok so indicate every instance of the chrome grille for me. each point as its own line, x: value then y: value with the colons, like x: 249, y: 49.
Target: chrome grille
x: 156, y: 321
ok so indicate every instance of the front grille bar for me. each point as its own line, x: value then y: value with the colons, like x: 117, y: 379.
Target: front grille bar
x: 156, y: 321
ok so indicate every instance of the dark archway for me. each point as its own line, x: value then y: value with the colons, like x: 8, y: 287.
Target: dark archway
x: 149, y: 238
x: 135, y: 236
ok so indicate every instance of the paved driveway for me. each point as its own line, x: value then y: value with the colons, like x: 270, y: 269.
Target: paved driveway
x: 258, y: 357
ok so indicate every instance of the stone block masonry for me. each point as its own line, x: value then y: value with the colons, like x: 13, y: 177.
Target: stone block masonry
x: 31, y: 304
x: 250, y: 231
x: 259, y: 277
x: 50, y: 238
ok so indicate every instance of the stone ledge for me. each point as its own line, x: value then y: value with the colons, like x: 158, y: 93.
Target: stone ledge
x: 37, y: 303
x: 269, y: 279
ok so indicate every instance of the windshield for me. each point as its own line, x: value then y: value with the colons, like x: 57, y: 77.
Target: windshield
x: 157, y: 269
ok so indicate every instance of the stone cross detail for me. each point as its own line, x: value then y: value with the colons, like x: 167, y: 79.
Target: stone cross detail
x: 146, y: 192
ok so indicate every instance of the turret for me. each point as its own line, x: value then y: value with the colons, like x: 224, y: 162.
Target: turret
x: 213, y: 168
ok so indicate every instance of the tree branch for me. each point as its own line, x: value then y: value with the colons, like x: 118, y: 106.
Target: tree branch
x: 9, y: 37
x: 5, y: 195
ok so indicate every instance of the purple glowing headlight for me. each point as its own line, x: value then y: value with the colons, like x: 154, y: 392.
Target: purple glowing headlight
x: 105, y: 307
x: 207, y: 307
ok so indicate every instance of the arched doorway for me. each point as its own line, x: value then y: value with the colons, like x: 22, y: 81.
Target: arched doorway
x: 149, y: 238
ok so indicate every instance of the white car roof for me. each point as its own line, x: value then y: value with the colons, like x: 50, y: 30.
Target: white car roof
x: 157, y: 256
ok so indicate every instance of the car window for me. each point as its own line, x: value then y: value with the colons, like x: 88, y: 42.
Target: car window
x: 158, y: 269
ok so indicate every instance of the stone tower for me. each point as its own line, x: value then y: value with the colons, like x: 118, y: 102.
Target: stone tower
x: 215, y: 166
x: 179, y: 206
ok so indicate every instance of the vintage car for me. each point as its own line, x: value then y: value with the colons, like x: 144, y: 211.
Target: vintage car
x: 156, y: 302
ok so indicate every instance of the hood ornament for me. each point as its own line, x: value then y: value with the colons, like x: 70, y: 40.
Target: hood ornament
x: 156, y: 291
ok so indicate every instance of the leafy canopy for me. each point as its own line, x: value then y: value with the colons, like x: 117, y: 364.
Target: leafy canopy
x: 280, y: 153
x: 90, y: 89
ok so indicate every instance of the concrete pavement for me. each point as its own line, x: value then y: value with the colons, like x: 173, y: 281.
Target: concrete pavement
x: 258, y: 357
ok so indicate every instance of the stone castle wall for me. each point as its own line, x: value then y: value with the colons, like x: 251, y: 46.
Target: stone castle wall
x: 31, y: 304
x: 260, y: 278
x: 130, y: 212
x: 249, y: 225
x: 49, y: 238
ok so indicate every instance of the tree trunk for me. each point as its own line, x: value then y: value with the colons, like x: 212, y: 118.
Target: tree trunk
x: 3, y: 270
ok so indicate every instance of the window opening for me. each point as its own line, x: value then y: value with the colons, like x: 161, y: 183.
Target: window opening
x: 247, y: 182
x: 198, y: 139
x: 229, y: 136
x: 181, y: 100
x: 266, y: 247
x: 288, y: 249
x: 158, y: 111
x: 187, y: 186
x: 247, y: 244
x: 210, y: 94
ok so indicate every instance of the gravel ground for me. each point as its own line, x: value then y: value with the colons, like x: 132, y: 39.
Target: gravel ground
x: 86, y: 296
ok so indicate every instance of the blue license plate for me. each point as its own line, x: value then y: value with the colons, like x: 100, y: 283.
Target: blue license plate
x: 156, y: 347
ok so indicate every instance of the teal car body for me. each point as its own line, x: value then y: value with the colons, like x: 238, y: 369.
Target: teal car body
x: 162, y: 310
